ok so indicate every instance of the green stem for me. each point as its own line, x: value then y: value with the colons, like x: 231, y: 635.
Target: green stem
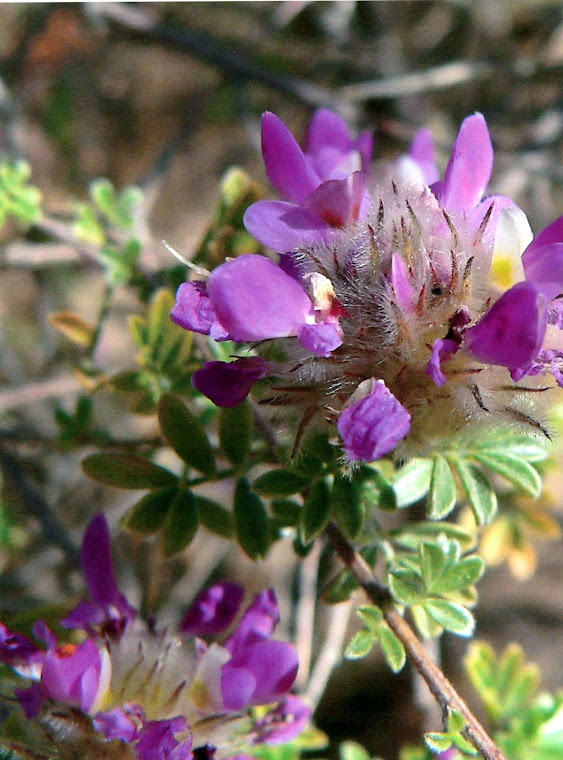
x: 105, y: 308
x: 439, y: 685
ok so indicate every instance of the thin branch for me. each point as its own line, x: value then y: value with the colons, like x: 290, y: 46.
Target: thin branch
x: 305, y: 617
x: 200, y: 44
x: 33, y: 393
x: 439, y: 685
x: 53, y: 530
x: 330, y: 654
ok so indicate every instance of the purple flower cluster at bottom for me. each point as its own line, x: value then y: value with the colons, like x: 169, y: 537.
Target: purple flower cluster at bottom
x: 250, y: 669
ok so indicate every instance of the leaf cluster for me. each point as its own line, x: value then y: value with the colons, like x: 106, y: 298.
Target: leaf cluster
x: 19, y: 200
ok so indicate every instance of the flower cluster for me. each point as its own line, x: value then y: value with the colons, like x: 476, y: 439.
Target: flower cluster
x: 152, y: 695
x: 403, y: 311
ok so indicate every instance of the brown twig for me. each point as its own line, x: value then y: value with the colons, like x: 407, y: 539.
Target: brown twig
x: 439, y: 685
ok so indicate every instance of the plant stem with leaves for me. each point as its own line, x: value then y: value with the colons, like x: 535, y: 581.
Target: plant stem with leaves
x: 439, y: 685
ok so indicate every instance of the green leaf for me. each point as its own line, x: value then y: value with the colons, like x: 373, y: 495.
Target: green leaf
x: 235, y: 432
x: 370, y: 615
x: 455, y: 722
x: 478, y: 490
x: 376, y: 489
x: 279, y: 483
x: 411, y: 535
x: 287, y: 511
x: 507, y: 684
x: 353, y: 751
x: 406, y: 587
x: 127, y: 471
x: 148, y: 514
x: 443, y: 490
x: 315, y: 512
x: 453, y: 617
x: 438, y: 742
x: 412, y: 481
x: 214, y: 517
x: 185, y: 434
x: 347, y: 506
x: 251, y: 521
x: 513, y: 468
x: 341, y: 588
x: 360, y: 645
x: 181, y: 523
x: 425, y: 624
x: 392, y: 648
x: 460, y: 576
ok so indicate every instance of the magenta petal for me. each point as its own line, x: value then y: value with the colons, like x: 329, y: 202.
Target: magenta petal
x: 157, y: 740
x: 327, y: 128
x: 228, y: 384
x: 364, y: 145
x: 237, y: 687
x: 273, y: 664
x: 421, y: 152
x: 470, y: 166
x: 374, y: 425
x: 320, y: 338
x: 258, y: 621
x: 73, y: 678
x: 213, y: 610
x: 31, y: 700
x: 194, y: 311
x: 255, y: 300
x: 402, y: 284
x: 553, y: 233
x: 512, y: 330
x: 286, y: 166
x: 97, y: 564
x: 441, y: 350
x: 284, y: 227
x: 284, y: 723
x: 16, y: 649
x: 119, y: 723
x: 544, y: 267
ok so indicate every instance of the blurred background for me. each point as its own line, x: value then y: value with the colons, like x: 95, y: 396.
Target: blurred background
x: 168, y: 96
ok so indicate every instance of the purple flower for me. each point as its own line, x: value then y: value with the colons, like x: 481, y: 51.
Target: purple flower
x: 120, y: 722
x: 323, y: 187
x: 372, y: 426
x: 227, y: 384
x: 157, y: 740
x: 20, y: 653
x: 76, y: 675
x: 512, y: 330
x: 259, y: 671
x: 403, y: 328
x: 284, y: 723
x: 108, y: 612
x: 213, y: 610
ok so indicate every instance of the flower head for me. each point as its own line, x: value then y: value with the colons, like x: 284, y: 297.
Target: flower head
x: 160, y: 696
x: 411, y: 320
